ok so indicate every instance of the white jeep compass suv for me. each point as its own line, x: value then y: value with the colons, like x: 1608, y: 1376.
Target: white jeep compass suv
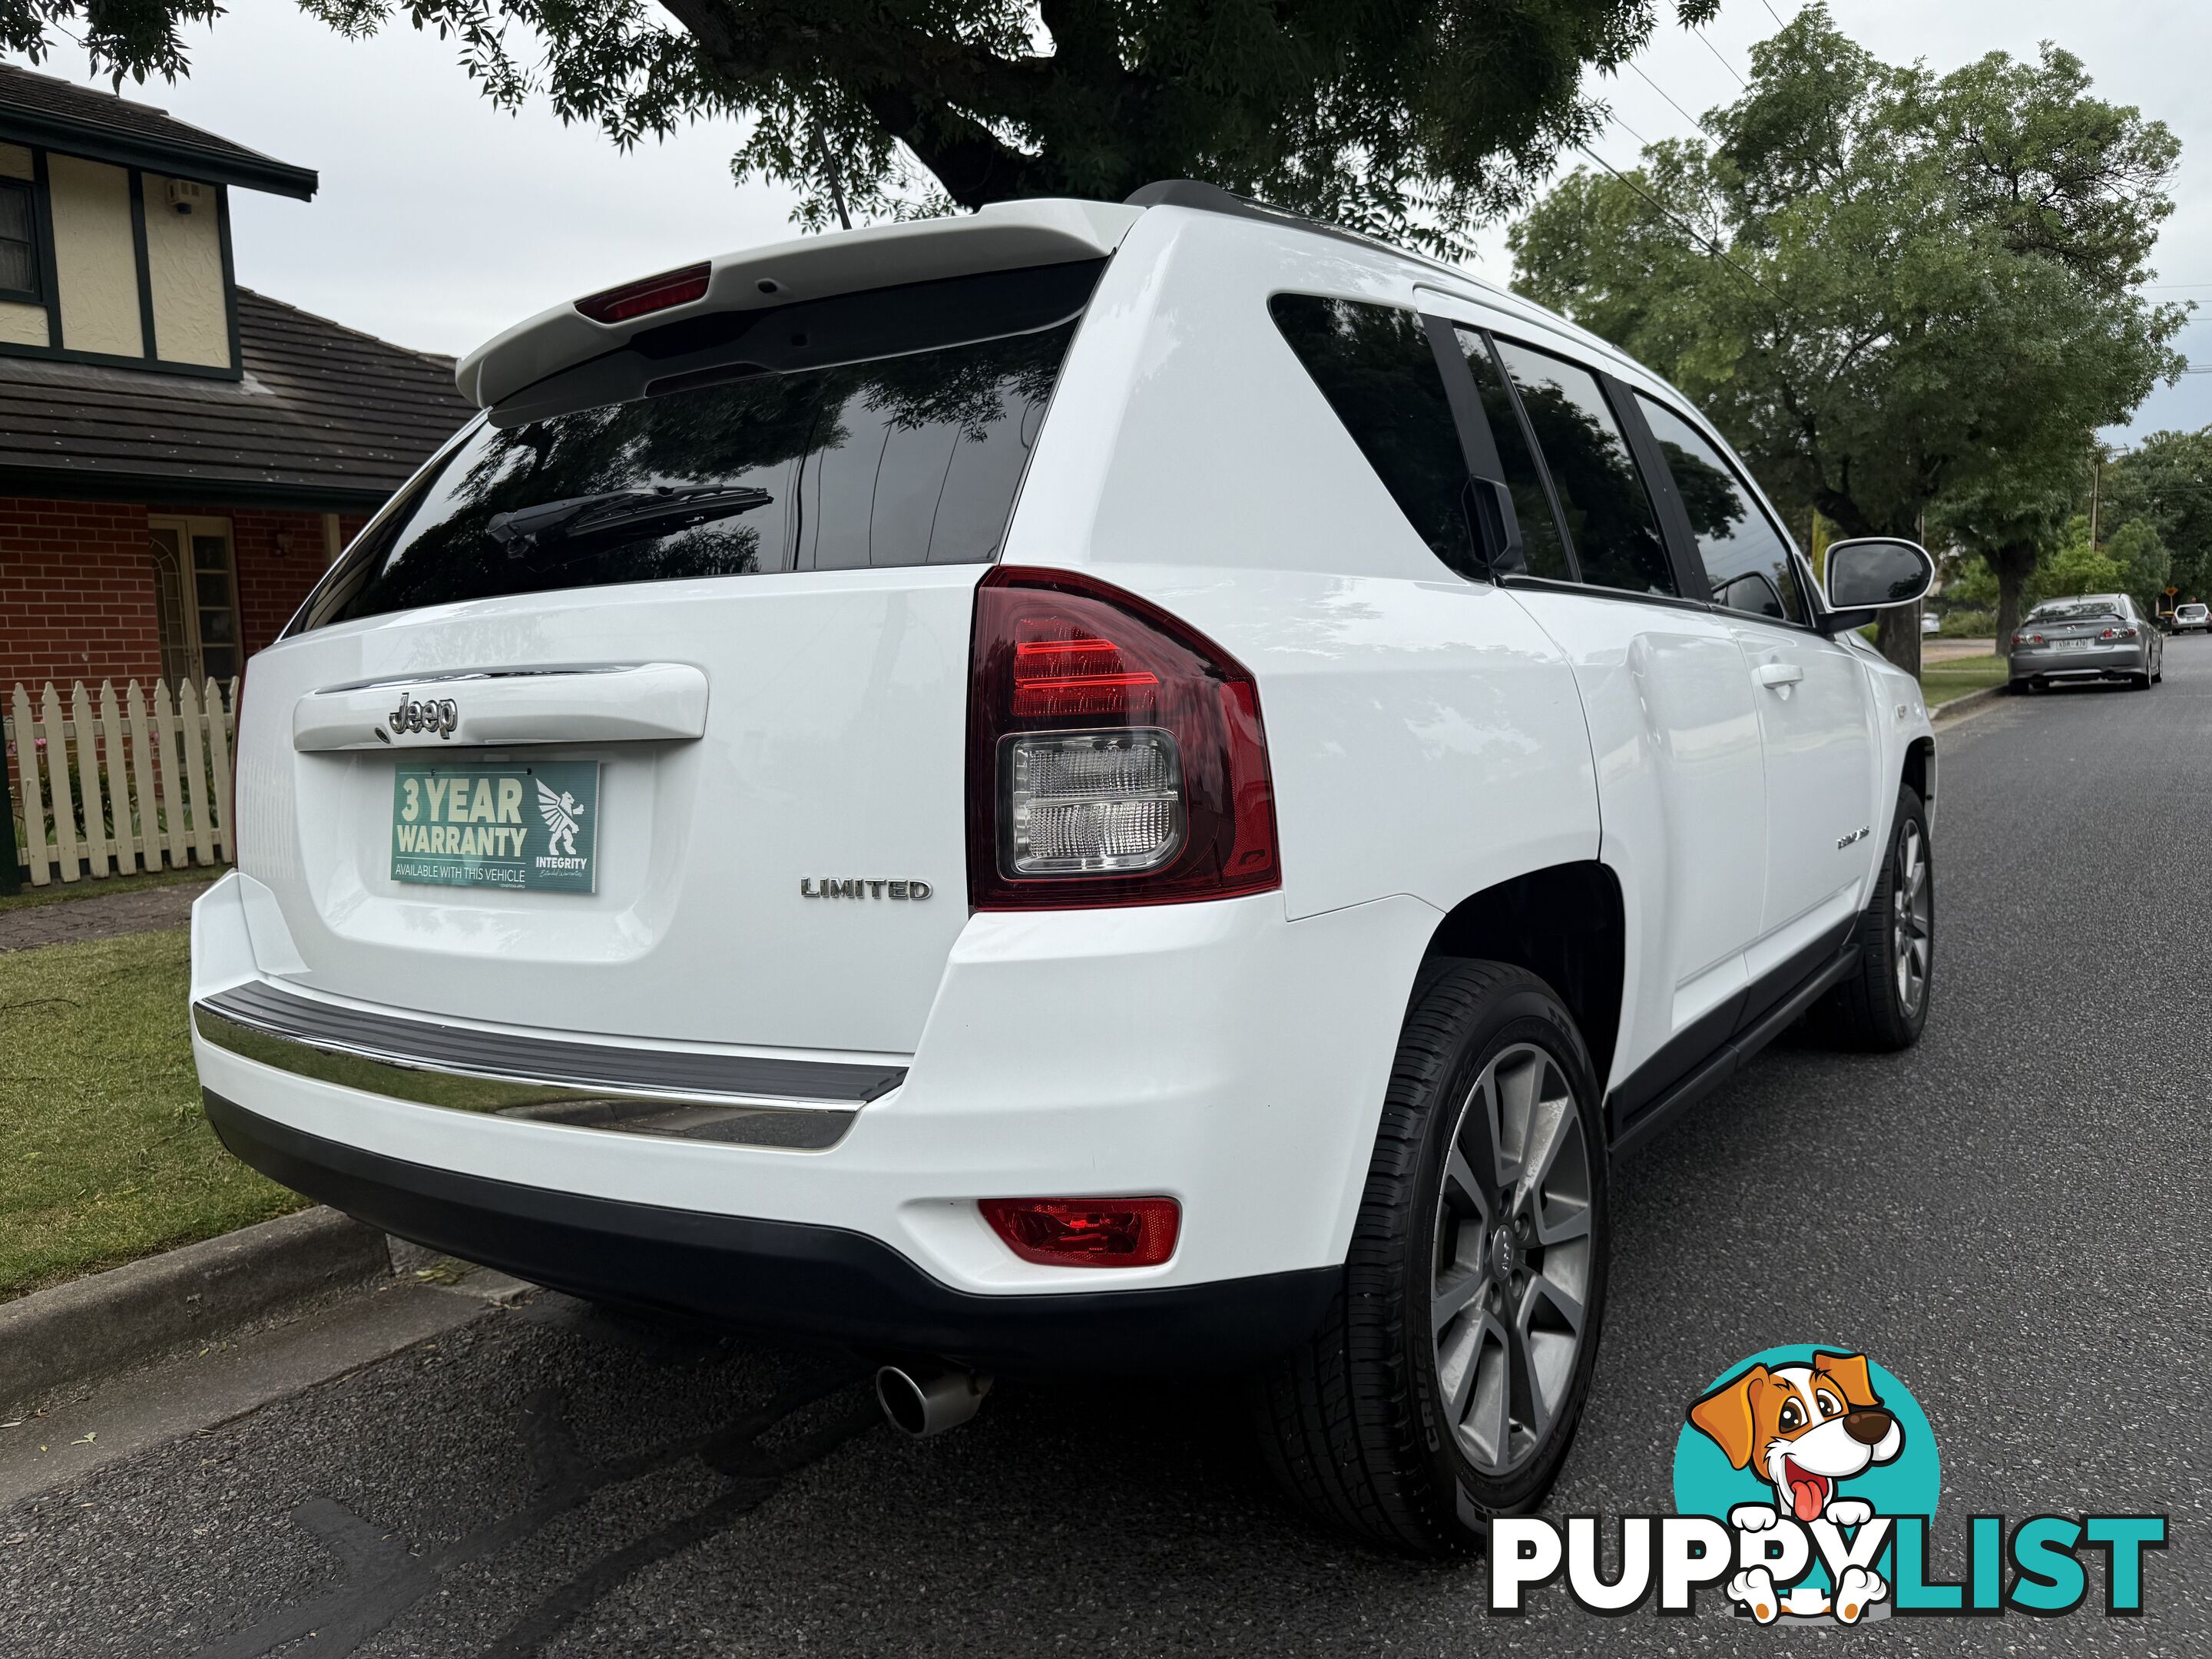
x: 1090, y: 787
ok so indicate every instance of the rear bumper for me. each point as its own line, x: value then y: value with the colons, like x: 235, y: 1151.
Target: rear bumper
x: 2116, y: 663
x: 1214, y: 1054
x: 779, y: 1277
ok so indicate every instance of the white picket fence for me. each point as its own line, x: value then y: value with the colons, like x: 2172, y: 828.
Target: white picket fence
x: 113, y: 784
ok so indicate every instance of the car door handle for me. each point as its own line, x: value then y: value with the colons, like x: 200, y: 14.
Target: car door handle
x: 1775, y: 675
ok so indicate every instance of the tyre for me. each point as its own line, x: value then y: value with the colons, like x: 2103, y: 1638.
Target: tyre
x: 2139, y: 681
x: 1446, y: 1384
x: 1882, y: 1006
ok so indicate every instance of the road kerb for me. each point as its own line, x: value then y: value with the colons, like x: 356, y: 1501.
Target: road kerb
x: 1966, y: 702
x: 89, y: 1327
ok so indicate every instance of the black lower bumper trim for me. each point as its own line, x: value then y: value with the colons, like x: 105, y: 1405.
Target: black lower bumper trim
x: 781, y: 1277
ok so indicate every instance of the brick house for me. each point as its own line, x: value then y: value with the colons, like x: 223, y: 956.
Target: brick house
x: 181, y: 458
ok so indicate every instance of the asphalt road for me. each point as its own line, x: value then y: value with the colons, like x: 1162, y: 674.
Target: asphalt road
x: 2009, y: 1217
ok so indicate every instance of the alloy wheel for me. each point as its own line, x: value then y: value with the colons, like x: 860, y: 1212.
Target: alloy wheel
x: 1912, y: 932
x: 1513, y: 1258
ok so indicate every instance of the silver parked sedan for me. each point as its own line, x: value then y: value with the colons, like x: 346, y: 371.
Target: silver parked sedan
x: 2091, y: 636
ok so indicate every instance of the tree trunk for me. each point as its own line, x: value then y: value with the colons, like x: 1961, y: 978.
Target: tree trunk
x: 2013, y: 564
x: 1898, y: 637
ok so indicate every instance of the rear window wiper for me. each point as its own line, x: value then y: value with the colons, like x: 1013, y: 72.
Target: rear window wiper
x: 617, y: 512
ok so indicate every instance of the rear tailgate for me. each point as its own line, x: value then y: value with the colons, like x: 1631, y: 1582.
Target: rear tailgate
x: 642, y: 711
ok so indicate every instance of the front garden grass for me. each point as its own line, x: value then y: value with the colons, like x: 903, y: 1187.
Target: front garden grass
x: 103, y: 1154
x: 57, y: 891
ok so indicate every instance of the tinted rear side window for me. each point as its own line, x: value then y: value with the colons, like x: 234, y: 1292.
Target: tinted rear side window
x: 735, y: 465
x: 1376, y: 366
x: 1540, y: 545
x: 1746, y: 561
x: 1608, y: 513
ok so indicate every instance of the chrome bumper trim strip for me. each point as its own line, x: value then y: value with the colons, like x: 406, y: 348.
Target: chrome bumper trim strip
x: 738, y: 1100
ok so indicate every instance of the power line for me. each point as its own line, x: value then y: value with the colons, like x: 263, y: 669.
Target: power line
x: 1775, y: 15
x: 1721, y: 61
x: 1678, y: 110
x: 1705, y: 244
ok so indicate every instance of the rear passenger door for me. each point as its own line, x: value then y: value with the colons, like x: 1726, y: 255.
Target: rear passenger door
x: 1682, y: 791
x: 1815, y: 701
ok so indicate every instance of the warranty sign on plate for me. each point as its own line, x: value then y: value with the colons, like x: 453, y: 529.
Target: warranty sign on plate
x: 532, y: 828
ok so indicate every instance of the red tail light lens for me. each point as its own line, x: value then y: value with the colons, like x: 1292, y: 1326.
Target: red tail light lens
x: 1087, y: 1232
x: 2117, y: 634
x: 1115, y: 755
x: 651, y: 293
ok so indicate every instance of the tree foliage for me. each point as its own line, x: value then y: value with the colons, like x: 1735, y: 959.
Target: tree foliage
x: 1891, y: 287
x: 2166, y: 484
x: 1413, y: 117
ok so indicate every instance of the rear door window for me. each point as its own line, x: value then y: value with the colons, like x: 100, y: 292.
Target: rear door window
x: 1541, y: 544
x: 1377, y: 368
x: 1609, y: 517
x: 1747, y: 560
x: 727, y: 447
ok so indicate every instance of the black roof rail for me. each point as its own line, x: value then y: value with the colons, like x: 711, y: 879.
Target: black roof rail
x: 1211, y: 198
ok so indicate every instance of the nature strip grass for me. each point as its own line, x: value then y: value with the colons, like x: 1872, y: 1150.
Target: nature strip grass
x: 1940, y: 682
x: 103, y: 1154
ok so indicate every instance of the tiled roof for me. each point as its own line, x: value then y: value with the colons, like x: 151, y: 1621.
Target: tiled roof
x: 324, y: 414
x: 42, y: 109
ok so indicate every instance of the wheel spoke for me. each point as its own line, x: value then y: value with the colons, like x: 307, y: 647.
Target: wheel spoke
x: 1488, y: 1419
x: 1453, y: 1299
x: 1529, y: 1405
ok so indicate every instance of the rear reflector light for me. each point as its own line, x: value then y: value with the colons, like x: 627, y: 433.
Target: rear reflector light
x: 1115, y: 755
x: 1086, y: 1233
x: 639, y: 299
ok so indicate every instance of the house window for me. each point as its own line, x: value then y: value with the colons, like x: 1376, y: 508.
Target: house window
x: 195, y: 591
x: 19, y: 243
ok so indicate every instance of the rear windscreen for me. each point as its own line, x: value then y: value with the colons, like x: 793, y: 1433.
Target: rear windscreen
x: 885, y: 429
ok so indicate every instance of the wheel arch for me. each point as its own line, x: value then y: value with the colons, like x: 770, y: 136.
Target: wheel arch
x: 1566, y: 924
x: 1920, y: 771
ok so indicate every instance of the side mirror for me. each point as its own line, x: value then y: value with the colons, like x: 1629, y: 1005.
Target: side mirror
x: 1874, y: 571
x: 1870, y: 573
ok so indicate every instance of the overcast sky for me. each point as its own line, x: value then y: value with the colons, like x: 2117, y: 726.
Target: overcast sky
x: 440, y: 221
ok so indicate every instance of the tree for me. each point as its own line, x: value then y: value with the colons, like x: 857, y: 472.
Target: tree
x: 2166, y: 484
x: 2012, y: 515
x: 1412, y: 117
x: 1886, y: 286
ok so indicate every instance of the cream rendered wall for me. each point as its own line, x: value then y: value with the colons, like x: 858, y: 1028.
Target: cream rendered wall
x: 184, y: 258
x: 20, y: 324
x: 95, y: 256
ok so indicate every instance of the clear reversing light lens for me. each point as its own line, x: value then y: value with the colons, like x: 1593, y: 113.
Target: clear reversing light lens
x: 1079, y: 802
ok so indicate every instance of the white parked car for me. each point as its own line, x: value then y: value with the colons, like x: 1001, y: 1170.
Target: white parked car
x: 1091, y: 787
x: 2191, y: 619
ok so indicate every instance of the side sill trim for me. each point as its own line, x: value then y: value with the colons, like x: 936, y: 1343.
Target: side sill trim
x: 802, y: 1105
x: 1728, y: 1057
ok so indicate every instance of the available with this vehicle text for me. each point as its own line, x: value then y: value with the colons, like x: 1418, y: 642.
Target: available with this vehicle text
x: 1088, y: 789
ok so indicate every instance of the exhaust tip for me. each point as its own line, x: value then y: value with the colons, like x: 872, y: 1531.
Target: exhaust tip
x: 922, y: 1403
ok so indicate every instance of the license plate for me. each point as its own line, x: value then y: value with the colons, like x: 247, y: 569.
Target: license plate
x: 531, y: 829
x: 2069, y: 645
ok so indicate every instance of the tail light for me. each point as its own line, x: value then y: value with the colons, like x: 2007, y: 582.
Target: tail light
x: 2117, y: 634
x: 2027, y: 639
x: 1086, y: 1233
x: 1115, y: 755
x: 646, y: 296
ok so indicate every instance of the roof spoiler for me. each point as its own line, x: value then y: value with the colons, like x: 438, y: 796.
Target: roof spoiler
x: 1004, y: 236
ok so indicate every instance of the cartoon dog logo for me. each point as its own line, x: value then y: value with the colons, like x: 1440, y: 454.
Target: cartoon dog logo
x: 1806, y: 1429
